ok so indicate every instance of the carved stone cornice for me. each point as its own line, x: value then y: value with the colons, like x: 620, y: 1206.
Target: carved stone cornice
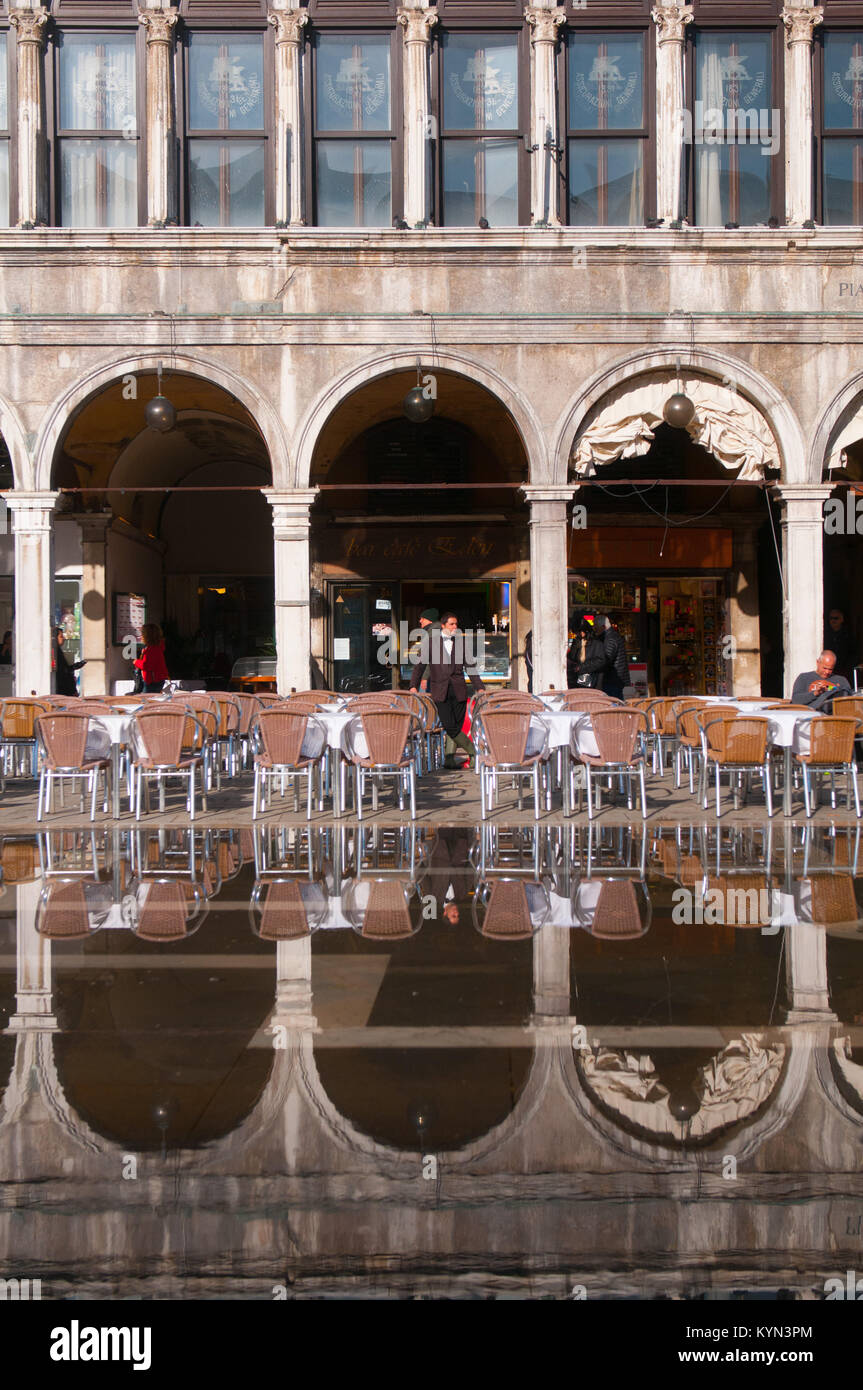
x: 30, y: 25
x: 288, y: 25
x: 417, y: 24
x: 800, y: 22
x: 671, y: 21
x: 544, y: 24
x: 159, y: 25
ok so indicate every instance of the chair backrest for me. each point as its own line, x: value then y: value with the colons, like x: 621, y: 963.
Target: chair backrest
x: 746, y: 899
x: 387, y: 916
x: 19, y: 860
x: 418, y: 705
x: 377, y: 699
x: 229, y: 713
x: 513, y: 699
x: 616, y: 916
x: 268, y: 697
x: 17, y: 717
x: 687, y: 722
x: 387, y: 732
x: 281, y: 733
x: 63, y: 737
x: 283, y: 912
x: 786, y: 704
x: 431, y: 716
x: 62, y: 912
x: 704, y: 716
x: 507, y: 913
x: 832, y: 899
x: 575, y: 702
x: 159, y: 734
x: 164, y: 912
x: 506, y: 733
x: 831, y: 740
x: 738, y: 739
x: 848, y: 706
x: 249, y: 706
x: 617, y: 731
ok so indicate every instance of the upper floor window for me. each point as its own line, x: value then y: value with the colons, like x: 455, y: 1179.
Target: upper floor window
x: 842, y: 129
x: 480, y: 128
x: 354, y: 130
x: 97, y: 118
x: 226, y: 130
x: 734, y: 132
x: 606, y: 129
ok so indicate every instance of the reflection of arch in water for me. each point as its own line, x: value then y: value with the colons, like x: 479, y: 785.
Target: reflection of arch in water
x: 841, y: 1078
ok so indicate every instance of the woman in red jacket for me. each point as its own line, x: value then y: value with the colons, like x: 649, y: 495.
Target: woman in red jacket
x: 151, y: 662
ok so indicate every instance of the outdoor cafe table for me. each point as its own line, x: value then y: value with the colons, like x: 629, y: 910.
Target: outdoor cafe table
x: 786, y: 730
x: 572, y: 732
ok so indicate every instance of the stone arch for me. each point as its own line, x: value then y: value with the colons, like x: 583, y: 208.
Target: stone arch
x: 343, y: 386
x: 63, y: 409
x: 755, y: 388
x: 15, y: 438
x: 835, y: 417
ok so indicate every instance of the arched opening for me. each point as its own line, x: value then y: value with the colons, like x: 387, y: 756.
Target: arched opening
x: 843, y: 553
x: 170, y: 527
x: 413, y: 516
x: 671, y: 536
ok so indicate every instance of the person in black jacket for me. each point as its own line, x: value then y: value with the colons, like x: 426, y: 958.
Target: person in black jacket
x: 616, y: 675
x: 65, y: 683
x: 586, y: 658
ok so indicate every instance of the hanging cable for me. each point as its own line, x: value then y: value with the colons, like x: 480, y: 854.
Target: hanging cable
x: 776, y: 548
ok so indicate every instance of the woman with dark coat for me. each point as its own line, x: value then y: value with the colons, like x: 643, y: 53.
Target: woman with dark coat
x: 64, y: 679
x: 586, y: 658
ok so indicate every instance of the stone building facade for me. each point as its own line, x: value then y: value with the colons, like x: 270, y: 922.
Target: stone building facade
x: 552, y: 214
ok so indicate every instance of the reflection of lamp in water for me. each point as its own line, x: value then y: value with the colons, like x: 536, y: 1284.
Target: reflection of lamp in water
x: 162, y: 1117
x: 422, y: 1116
x: 683, y: 1103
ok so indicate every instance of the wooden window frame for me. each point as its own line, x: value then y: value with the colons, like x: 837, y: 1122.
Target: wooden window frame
x: 819, y: 133
x: 11, y: 110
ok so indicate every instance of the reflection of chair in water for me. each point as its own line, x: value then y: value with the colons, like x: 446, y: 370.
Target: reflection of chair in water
x: 19, y: 859
x: 512, y: 909
x: 167, y: 909
x: 827, y: 900
x: 613, y: 909
x: 379, y: 909
x: 286, y: 909
x: 62, y: 914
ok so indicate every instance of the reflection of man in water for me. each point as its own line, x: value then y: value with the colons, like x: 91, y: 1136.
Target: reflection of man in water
x: 450, y: 877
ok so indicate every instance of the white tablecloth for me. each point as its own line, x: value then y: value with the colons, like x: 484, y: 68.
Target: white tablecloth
x: 573, y: 729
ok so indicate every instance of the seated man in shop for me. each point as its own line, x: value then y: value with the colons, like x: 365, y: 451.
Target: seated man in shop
x: 817, y: 688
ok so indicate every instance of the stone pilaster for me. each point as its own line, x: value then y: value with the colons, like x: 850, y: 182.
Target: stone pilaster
x: 806, y: 974
x: 29, y: 26
x: 544, y: 22
x: 288, y: 23
x: 160, y: 24
x: 94, y: 606
x: 417, y: 22
x: 671, y: 20
x: 34, y: 1007
x: 291, y: 527
x: 548, y: 586
x: 803, y: 567
x: 32, y: 527
x: 800, y: 22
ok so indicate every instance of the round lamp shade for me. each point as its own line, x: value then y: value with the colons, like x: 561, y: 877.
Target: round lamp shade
x: 416, y: 406
x: 160, y: 414
x: 678, y: 410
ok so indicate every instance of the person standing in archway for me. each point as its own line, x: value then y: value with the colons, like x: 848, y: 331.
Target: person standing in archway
x: 446, y: 682
x: 151, y: 662
x: 64, y: 669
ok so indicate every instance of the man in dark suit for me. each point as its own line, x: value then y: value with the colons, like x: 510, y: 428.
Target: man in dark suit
x: 446, y: 682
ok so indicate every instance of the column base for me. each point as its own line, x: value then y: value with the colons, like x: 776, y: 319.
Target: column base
x: 32, y: 1023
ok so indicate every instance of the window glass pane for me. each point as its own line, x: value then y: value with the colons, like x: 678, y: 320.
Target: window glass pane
x: 353, y: 82
x: 732, y: 184
x: 4, y: 183
x: 226, y: 82
x: 606, y: 82
x: 354, y: 183
x: 843, y: 183
x: 606, y: 184
x: 732, y: 73
x: 99, y: 183
x: 4, y: 81
x: 226, y: 183
x: 480, y: 179
x: 843, y: 81
x: 480, y: 82
x: 97, y: 82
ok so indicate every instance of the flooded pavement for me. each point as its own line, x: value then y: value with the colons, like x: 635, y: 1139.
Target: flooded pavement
x: 432, y: 1061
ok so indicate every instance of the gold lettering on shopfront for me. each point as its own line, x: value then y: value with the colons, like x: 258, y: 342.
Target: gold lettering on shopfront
x: 452, y: 547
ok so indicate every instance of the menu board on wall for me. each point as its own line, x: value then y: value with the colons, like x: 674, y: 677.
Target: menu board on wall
x: 130, y: 615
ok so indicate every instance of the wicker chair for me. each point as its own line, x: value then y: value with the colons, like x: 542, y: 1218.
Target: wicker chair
x: 831, y: 749
x: 502, y: 737
x: 288, y: 745
x: 227, y: 736
x: 740, y: 909
x: 847, y: 706
x: 587, y: 699
x: 279, y: 910
x: 506, y: 909
x: 18, y: 733
x: 619, y: 913
x: 831, y: 899
x: 63, y: 740
x: 620, y: 735
x: 62, y: 913
x: 249, y: 706
x: 433, y: 731
x: 738, y: 743
x: 388, y: 735
x: 386, y: 914
x: 166, y: 910
x: 688, y: 738
x: 160, y: 740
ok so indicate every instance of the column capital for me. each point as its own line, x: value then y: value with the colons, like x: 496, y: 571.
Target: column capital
x: 30, y: 24
x: 288, y: 25
x: 802, y: 495
x: 800, y: 22
x: 557, y: 492
x: 417, y: 23
x: 31, y: 511
x: 160, y: 25
x: 671, y: 21
x: 94, y: 525
x: 544, y: 23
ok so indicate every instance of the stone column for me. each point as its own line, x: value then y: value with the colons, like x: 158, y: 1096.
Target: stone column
x: 417, y: 20
x: 803, y: 568
x: 670, y: 20
x: 94, y: 605
x: 161, y: 147
x: 548, y: 588
x: 544, y: 21
x: 291, y: 525
x: 33, y: 998
x: 551, y: 976
x: 800, y: 22
x: 31, y: 524
x: 806, y: 974
x: 288, y: 23
x: 30, y: 24
x: 743, y: 612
